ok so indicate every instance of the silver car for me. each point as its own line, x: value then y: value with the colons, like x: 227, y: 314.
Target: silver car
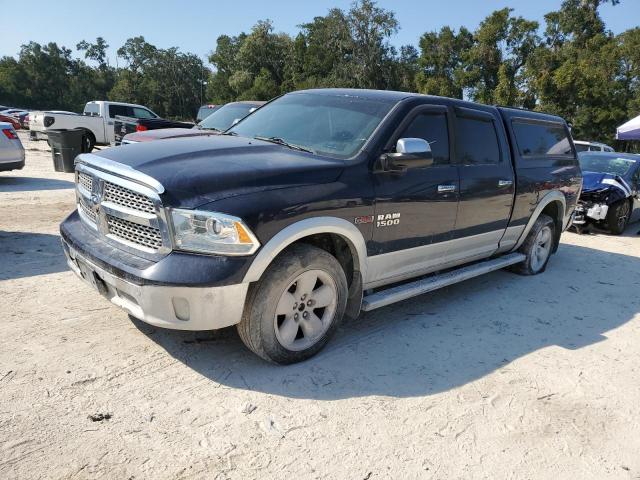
x: 11, y: 150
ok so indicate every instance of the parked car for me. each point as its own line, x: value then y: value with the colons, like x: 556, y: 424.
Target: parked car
x: 23, y: 118
x: 13, y: 111
x: 15, y: 123
x: 582, y: 146
x: 320, y: 204
x: 205, y: 110
x: 11, y: 150
x: 611, y: 185
x: 127, y: 125
x: 217, y: 122
x: 97, y: 120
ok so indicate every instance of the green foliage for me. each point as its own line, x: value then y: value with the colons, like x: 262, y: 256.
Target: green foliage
x: 572, y: 66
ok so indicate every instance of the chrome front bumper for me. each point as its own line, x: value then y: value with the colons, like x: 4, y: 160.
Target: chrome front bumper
x: 180, y: 308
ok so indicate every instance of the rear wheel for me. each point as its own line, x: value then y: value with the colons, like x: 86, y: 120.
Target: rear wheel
x: 88, y: 142
x: 537, y: 247
x: 618, y: 216
x: 295, y: 308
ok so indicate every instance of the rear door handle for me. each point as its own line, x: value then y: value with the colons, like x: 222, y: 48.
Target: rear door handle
x: 446, y: 188
x: 505, y: 183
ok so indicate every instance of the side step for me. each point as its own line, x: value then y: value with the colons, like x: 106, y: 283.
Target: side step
x: 413, y: 289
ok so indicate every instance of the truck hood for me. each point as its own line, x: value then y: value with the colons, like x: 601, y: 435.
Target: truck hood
x: 164, y: 133
x: 199, y: 170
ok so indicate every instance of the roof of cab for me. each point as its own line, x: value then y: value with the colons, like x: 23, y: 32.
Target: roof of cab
x: 394, y: 96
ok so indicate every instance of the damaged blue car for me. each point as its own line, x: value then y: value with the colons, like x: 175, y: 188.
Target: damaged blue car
x: 610, y: 191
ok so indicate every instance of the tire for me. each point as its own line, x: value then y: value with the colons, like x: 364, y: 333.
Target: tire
x: 618, y: 217
x: 88, y: 142
x: 537, y: 247
x: 283, y: 333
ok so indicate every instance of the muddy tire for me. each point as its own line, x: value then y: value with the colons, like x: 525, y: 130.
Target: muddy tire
x: 297, y: 305
x: 618, y: 217
x: 537, y: 247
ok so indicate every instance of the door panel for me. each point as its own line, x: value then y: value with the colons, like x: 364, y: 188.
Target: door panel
x: 487, y: 182
x: 421, y: 203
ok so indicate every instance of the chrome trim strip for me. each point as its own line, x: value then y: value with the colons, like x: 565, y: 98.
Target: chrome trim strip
x: 120, y: 170
x: 413, y: 262
x: 510, y: 237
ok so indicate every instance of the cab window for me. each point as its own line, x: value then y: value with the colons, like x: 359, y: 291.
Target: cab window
x: 142, y: 113
x: 541, y: 139
x: 432, y: 127
x: 119, y: 110
x: 477, y: 141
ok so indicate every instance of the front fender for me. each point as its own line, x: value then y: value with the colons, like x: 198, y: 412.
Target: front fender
x: 305, y: 228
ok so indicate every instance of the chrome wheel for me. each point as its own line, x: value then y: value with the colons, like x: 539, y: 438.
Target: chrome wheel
x: 541, y: 248
x: 305, y: 310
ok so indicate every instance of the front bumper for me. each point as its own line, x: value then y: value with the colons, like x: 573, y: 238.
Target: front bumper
x: 586, y: 212
x: 176, y: 307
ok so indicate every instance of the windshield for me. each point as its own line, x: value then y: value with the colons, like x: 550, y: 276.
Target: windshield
x: 224, y: 117
x: 606, y: 164
x: 332, y: 125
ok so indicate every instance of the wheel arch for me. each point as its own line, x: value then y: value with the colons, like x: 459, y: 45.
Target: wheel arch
x: 310, y: 229
x: 553, y: 204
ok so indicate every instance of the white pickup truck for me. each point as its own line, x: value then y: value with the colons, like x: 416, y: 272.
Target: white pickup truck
x: 97, y: 119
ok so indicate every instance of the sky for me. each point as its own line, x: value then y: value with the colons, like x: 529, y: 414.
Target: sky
x: 194, y: 25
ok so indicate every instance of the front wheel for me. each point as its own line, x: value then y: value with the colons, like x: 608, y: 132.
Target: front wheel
x: 618, y: 216
x: 295, y: 308
x: 537, y: 247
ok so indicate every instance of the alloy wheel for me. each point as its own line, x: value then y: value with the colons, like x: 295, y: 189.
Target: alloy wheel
x: 305, y: 310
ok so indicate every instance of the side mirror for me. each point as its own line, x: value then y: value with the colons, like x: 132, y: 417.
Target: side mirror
x: 410, y: 153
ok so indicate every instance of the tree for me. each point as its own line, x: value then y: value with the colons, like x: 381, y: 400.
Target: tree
x: 441, y: 62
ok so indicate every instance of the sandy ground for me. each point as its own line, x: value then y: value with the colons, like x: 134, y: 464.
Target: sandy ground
x: 499, y: 377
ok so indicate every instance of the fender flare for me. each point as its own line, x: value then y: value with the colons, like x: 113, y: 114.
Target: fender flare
x: 554, y: 196
x: 305, y: 228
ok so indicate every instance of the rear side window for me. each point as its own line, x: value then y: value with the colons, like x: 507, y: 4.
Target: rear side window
x: 539, y: 139
x: 122, y: 110
x: 477, y: 141
x: 580, y: 147
x: 433, y: 128
x: 92, y: 109
x: 142, y: 113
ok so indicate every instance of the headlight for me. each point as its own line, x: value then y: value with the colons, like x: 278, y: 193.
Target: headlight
x: 210, y: 232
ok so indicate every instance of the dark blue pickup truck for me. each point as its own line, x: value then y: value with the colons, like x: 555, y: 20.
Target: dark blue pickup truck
x: 320, y: 205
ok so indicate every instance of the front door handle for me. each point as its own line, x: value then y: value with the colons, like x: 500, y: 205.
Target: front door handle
x: 446, y: 188
x: 505, y: 183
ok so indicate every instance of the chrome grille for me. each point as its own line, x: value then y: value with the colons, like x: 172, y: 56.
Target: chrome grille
x: 135, y: 233
x: 123, y: 207
x: 85, y: 180
x: 127, y: 198
x: 87, y: 210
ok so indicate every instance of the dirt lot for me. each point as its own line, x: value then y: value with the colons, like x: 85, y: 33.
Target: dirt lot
x: 499, y: 377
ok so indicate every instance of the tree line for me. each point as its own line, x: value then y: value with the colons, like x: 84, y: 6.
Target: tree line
x: 572, y: 65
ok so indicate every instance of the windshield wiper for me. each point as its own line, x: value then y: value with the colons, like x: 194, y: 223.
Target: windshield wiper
x: 280, y: 141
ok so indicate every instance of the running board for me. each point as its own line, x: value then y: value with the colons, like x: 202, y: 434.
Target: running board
x: 413, y: 289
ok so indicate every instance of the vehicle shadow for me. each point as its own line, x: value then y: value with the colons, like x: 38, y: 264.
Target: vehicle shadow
x: 25, y: 254
x: 32, y: 184
x: 438, y: 341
